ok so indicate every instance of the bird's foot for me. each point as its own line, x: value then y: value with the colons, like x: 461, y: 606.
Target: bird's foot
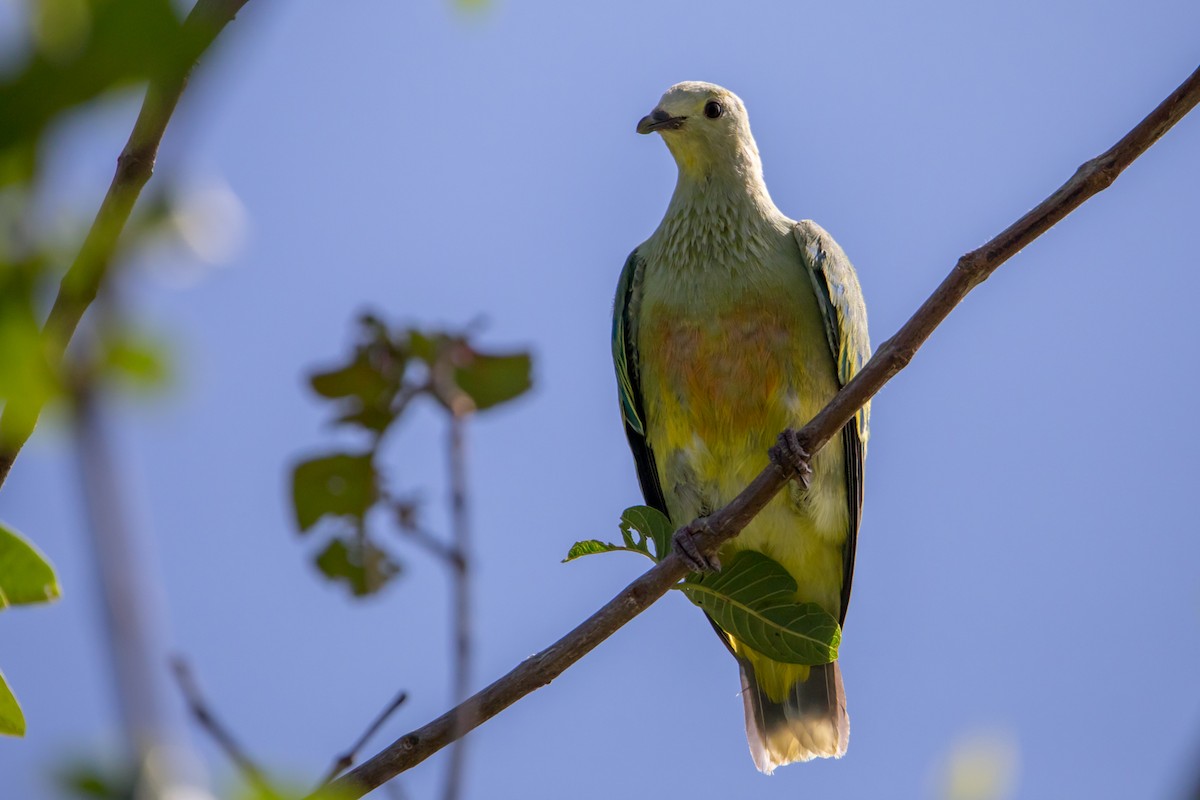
x: 790, y: 455
x: 684, y: 542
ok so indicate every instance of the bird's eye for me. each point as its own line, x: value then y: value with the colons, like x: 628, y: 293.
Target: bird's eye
x: 713, y: 109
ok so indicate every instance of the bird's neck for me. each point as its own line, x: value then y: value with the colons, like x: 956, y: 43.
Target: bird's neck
x: 718, y: 217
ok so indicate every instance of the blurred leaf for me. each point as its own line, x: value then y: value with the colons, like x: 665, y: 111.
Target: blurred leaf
x: 83, y: 50
x: 27, y: 379
x: 424, y: 347
x: 491, y: 380
x: 12, y: 720
x: 981, y: 765
x: 364, y: 567
x: 754, y: 599
x: 369, y: 385
x: 342, y: 484
x: 96, y: 781
x: 25, y: 575
x: 359, y: 379
x: 292, y: 791
x: 138, y: 359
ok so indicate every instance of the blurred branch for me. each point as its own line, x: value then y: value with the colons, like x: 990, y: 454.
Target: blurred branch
x: 124, y: 585
x: 346, y: 759
x: 134, y: 168
x: 200, y: 710
x: 460, y: 406
x: 971, y: 270
x: 461, y: 578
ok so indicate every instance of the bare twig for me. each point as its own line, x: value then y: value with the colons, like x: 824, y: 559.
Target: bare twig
x: 432, y: 545
x: 134, y: 167
x: 126, y: 589
x: 223, y: 738
x: 971, y: 270
x: 465, y: 716
x: 346, y: 759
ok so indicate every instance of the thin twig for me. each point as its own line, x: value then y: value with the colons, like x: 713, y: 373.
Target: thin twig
x: 134, y: 167
x: 971, y: 270
x: 225, y: 740
x: 125, y: 586
x: 346, y: 759
x: 461, y: 578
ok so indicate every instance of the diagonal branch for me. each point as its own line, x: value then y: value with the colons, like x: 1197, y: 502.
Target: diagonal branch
x: 134, y: 167
x: 971, y: 270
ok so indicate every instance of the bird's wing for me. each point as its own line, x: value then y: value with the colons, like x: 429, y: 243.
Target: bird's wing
x: 840, y: 298
x: 625, y: 357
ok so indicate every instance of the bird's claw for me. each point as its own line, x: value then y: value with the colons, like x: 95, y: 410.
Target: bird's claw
x: 684, y: 543
x: 789, y: 454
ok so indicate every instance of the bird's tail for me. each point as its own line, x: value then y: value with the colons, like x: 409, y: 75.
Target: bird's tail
x: 808, y: 721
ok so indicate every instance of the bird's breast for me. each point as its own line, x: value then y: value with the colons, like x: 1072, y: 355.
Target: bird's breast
x: 718, y: 377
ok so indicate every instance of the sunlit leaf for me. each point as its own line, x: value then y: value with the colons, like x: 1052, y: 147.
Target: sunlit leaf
x: 25, y: 574
x: 641, y: 527
x: 341, y: 484
x: 754, y: 599
x: 651, y: 525
x: 12, y: 720
x: 364, y: 567
x: 589, y: 547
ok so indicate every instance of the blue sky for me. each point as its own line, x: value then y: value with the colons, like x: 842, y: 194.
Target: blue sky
x: 1026, y: 572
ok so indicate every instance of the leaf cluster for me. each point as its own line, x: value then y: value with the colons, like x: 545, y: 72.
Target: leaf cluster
x: 753, y: 598
x: 26, y: 577
x: 370, y: 391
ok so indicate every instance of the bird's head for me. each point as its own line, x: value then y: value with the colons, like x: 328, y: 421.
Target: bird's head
x: 706, y: 128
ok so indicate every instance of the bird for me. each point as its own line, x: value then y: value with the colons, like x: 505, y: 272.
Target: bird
x: 733, y: 323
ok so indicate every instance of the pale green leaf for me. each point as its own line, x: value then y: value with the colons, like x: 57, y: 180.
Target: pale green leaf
x: 589, y: 547
x: 12, y: 721
x: 25, y: 575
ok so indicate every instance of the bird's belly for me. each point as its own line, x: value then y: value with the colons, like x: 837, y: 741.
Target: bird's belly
x: 718, y: 391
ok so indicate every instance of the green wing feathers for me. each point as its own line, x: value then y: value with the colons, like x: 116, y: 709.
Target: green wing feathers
x: 842, y: 303
x: 625, y: 358
x: 845, y: 315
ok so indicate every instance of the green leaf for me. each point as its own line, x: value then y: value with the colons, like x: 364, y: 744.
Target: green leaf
x: 99, y: 780
x: 589, y: 547
x: 641, y: 526
x: 28, y: 380
x: 364, y: 567
x: 425, y: 347
x: 650, y: 524
x: 369, y: 383
x: 12, y: 721
x: 139, y: 359
x: 754, y: 599
x: 491, y: 380
x: 342, y: 484
x: 25, y: 575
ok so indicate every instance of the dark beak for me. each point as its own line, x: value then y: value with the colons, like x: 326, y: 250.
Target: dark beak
x: 659, y: 120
